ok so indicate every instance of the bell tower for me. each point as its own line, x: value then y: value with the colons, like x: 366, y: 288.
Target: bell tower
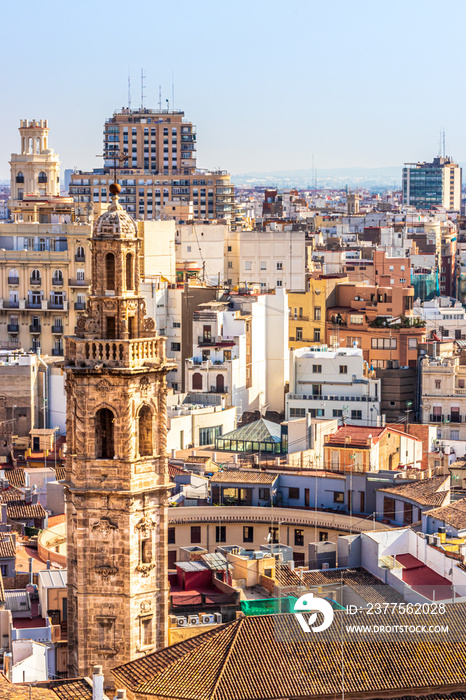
x: 116, y: 472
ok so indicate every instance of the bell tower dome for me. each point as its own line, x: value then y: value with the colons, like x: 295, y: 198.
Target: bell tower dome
x: 117, y: 471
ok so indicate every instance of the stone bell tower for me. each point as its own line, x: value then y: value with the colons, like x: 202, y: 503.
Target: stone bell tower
x: 116, y: 470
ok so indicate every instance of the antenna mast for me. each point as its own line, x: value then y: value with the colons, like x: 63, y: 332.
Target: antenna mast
x: 129, y: 91
x: 143, y: 77
x: 444, y: 143
x: 160, y: 97
x: 173, y: 92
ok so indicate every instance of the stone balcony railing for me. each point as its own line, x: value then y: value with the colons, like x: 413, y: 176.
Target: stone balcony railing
x: 132, y: 354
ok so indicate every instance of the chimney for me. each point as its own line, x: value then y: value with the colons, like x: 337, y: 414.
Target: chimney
x: 121, y: 695
x: 4, y: 513
x: 31, y: 571
x: 97, y: 683
x: 28, y: 496
x: 173, y: 454
x: 48, y: 564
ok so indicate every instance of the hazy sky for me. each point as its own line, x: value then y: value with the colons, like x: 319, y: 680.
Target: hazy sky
x: 267, y: 83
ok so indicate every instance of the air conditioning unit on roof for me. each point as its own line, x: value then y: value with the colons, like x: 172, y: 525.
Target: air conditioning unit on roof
x: 181, y: 622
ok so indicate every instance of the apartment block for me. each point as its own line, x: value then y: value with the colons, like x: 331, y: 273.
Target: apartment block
x: 307, y: 315
x: 433, y: 184
x: 152, y: 155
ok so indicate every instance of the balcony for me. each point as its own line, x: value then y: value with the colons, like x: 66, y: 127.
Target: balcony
x: 13, y: 328
x: 118, y: 353
x: 60, y: 305
x: 35, y: 328
x: 34, y: 304
x: 57, y: 281
x: 219, y: 341
x: 80, y: 305
x: 35, y: 282
x: 302, y: 340
x: 10, y: 304
x: 13, y: 280
x: 322, y: 397
x: 57, y: 352
x: 437, y: 419
x: 74, y: 282
x: 79, y: 258
x: 57, y: 329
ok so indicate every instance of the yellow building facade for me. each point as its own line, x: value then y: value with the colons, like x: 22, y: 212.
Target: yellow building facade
x: 307, y: 315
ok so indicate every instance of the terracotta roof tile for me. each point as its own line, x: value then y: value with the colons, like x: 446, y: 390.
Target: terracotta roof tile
x: 60, y: 472
x: 237, y: 476
x: 70, y: 689
x: 19, y: 510
x: 270, y: 657
x: 11, y: 494
x: 454, y: 514
x: 425, y: 492
x: 16, y: 477
x: 13, y: 691
x: 7, y: 546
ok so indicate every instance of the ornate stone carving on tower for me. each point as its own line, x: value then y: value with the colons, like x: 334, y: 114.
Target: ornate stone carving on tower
x: 116, y: 471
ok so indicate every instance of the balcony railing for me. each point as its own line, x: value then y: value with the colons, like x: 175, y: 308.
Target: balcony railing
x: 57, y: 328
x: 116, y: 353
x: 13, y: 328
x: 35, y: 281
x: 74, y: 282
x: 80, y: 305
x: 322, y: 397
x: 57, y: 352
x: 35, y: 328
x: 79, y: 258
x: 436, y: 419
x: 13, y: 280
x: 214, y: 341
x: 58, y: 305
x: 57, y: 282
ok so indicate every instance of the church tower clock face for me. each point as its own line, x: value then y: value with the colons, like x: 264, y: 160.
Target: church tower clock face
x: 117, y: 471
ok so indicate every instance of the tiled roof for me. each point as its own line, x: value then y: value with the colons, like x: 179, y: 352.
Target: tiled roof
x: 238, y: 476
x: 7, y: 546
x: 215, y: 561
x: 16, y: 477
x: 19, y: 510
x: 425, y: 492
x: 173, y: 470
x: 11, y: 494
x: 70, y: 689
x: 365, y: 584
x: 352, y: 435
x: 13, y: 691
x: 191, y: 566
x: 60, y: 472
x: 270, y: 657
x: 454, y: 514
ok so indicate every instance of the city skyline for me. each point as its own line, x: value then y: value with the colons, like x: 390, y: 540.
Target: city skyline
x: 267, y: 90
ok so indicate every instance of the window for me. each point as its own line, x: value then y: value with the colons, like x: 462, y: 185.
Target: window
x: 110, y: 271
x: 299, y: 538
x: 171, y: 535
x: 264, y: 494
x: 356, y: 415
x: 230, y: 264
x: 263, y: 265
x: 104, y: 421
x: 437, y: 383
x: 343, y: 369
x: 356, y: 320
x: 197, y: 381
x: 247, y: 265
x: 317, y: 313
x: 279, y: 283
x: 383, y: 343
x: 317, y: 335
x: 220, y: 533
x: 293, y: 493
x: 279, y: 266
x: 176, y: 347
x: 273, y: 535
x: 299, y: 334
x: 412, y: 343
x: 323, y: 536
x: 145, y: 432
x: 407, y: 514
x: 297, y: 412
x: 337, y: 413
x: 317, y: 369
x: 248, y: 533
x: 129, y: 272
x: 335, y: 460
x: 389, y: 508
x: 195, y: 534
x: 57, y: 277
x: 338, y: 497
x: 454, y: 434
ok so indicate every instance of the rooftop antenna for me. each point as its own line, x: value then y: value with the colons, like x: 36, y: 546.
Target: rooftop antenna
x: 444, y: 143
x: 143, y: 77
x: 439, y: 143
x: 173, y: 92
x: 168, y: 104
x: 129, y: 91
x: 160, y: 97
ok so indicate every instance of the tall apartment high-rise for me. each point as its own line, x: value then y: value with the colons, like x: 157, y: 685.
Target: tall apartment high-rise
x: 433, y: 184
x: 152, y: 153
x: 117, y: 471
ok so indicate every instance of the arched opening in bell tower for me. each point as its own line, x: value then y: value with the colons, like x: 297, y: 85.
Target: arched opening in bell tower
x: 146, y: 447
x: 104, y: 434
x: 110, y: 272
x: 129, y: 272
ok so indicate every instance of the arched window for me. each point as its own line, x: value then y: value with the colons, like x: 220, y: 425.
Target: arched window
x: 110, y: 271
x: 42, y: 177
x: 145, y: 432
x: 129, y: 272
x: 104, y: 442
x: 57, y: 277
x: 13, y: 276
x: 197, y: 381
x: 146, y: 550
x: 20, y: 178
x: 80, y: 255
x: 35, y: 276
x: 220, y: 383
